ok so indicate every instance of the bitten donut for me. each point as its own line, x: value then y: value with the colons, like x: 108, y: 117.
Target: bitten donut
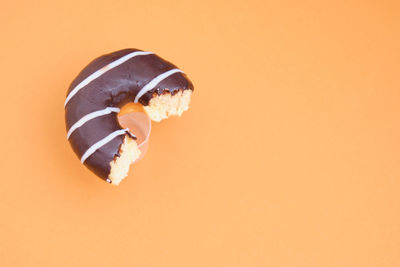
x: 99, y: 91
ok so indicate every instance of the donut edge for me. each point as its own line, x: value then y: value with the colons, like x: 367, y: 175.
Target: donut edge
x: 129, y: 153
x: 165, y: 105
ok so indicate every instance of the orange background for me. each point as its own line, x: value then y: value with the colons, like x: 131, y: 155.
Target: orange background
x: 288, y: 156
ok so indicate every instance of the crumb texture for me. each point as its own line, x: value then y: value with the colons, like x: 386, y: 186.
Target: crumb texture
x: 163, y: 106
x: 129, y: 152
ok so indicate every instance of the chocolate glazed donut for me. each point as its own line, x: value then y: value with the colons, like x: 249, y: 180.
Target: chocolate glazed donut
x: 94, y: 99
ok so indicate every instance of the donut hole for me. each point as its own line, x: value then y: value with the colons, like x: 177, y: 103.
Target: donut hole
x: 138, y: 124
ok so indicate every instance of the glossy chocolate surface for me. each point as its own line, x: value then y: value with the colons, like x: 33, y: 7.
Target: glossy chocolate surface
x: 114, y: 88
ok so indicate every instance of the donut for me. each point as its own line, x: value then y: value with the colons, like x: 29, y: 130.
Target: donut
x: 102, y: 88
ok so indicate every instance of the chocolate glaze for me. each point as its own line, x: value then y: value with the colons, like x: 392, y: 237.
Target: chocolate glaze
x: 114, y: 88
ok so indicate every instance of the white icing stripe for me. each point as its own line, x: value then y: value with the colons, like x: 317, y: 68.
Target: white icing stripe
x: 103, y: 70
x: 153, y: 83
x: 89, y: 117
x: 101, y: 143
